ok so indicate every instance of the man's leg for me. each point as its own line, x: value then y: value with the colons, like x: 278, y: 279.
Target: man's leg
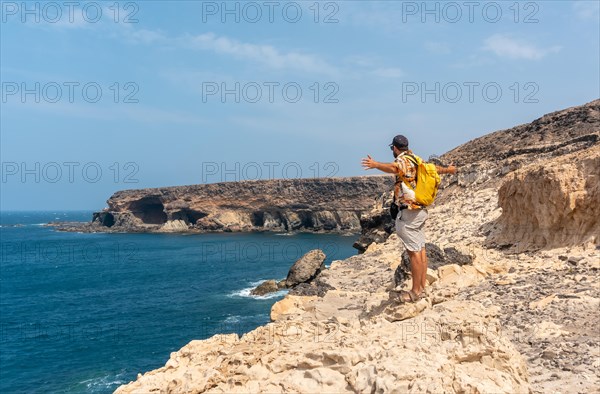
x: 418, y: 270
x: 424, y: 263
x: 409, y: 227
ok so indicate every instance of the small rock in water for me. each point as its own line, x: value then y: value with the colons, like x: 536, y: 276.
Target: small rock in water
x: 268, y: 286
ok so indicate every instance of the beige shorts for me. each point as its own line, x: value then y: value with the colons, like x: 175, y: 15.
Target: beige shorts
x: 409, y: 227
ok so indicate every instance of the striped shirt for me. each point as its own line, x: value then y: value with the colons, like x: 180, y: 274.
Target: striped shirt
x: 406, y: 171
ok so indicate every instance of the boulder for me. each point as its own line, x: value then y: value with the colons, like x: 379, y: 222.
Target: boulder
x: 453, y: 256
x: 306, y: 268
x: 436, y: 257
x: 268, y: 286
x: 314, y: 288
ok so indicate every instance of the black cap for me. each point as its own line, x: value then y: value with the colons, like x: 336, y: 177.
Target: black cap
x: 400, y: 141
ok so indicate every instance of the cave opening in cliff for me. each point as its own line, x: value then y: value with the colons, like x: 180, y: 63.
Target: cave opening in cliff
x: 149, y: 210
x: 190, y: 216
x: 108, y: 220
x: 258, y: 219
x: 306, y: 218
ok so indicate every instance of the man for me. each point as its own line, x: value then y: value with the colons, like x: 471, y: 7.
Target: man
x: 412, y: 216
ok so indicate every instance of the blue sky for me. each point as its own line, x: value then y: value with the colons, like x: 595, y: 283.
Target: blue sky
x: 106, y: 96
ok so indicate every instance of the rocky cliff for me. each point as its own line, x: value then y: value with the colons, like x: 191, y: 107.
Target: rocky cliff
x: 553, y: 135
x: 548, y: 180
x: 550, y: 204
x: 512, y: 298
x: 313, y: 204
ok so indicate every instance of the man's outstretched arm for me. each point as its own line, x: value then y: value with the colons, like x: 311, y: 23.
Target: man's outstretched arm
x: 369, y: 163
x: 451, y: 169
x: 392, y: 168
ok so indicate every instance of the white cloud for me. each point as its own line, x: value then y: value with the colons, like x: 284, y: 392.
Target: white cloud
x: 506, y: 46
x: 265, y: 54
x: 587, y: 10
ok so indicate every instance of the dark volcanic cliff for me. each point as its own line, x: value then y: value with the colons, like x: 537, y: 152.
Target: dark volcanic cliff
x: 486, y: 160
x: 560, y: 132
x: 312, y: 204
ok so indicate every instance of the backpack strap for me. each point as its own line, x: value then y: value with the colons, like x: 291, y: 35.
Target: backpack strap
x: 412, y: 159
x: 397, y: 185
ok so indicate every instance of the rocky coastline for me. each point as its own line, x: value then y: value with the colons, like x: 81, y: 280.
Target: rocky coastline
x: 512, y: 295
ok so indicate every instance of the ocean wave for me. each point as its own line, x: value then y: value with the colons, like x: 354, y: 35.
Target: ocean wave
x: 236, y: 319
x: 258, y: 282
x: 101, y: 384
x: 232, y: 319
x: 246, y: 292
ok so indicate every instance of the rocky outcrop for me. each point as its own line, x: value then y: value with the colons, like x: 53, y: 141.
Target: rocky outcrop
x: 306, y: 268
x: 283, y: 205
x: 300, y: 278
x: 548, y: 205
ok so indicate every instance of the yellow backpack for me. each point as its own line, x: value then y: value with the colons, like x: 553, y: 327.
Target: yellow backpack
x: 427, y: 180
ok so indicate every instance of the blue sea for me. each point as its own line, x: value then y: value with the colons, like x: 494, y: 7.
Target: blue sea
x: 85, y: 313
